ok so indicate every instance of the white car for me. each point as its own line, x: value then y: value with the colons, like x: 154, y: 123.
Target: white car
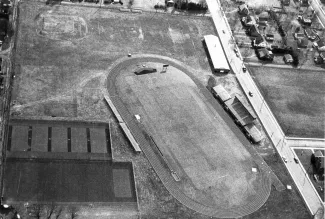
x: 284, y: 159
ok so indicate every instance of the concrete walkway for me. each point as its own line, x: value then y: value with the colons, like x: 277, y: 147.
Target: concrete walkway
x: 264, y: 113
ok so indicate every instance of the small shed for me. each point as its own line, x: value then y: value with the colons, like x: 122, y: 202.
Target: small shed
x: 220, y: 92
x: 288, y: 58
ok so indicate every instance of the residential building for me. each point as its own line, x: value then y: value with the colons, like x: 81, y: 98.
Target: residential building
x: 243, y: 9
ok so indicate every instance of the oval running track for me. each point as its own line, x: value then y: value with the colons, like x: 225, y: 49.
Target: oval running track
x: 162, y: 172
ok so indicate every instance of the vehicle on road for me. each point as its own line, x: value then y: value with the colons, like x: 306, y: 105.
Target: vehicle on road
x: 244, y: 68
x: 284, y: 159
x: 296, y: 160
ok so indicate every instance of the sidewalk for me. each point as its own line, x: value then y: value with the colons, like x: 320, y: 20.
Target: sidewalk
x: 261, y: 108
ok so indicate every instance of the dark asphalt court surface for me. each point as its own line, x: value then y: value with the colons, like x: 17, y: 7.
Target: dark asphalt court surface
x: 46, y: 181
x: 59, y: 136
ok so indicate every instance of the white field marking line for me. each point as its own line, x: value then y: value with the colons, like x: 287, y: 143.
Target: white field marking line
x: 222, y: 176
x: 18, y: 182
x: 305, y: 176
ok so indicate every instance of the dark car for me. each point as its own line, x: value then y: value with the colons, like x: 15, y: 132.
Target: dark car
x: 269, y: 37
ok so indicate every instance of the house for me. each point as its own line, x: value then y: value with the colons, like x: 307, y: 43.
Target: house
x: 264, y: 54
x: 310, y: 33
x: 254, y: 31
x: 302, y: 43
x: 285, y: 2
x: 243, y: 9
x: 287, y: 58
x: 260, y: 42
x: 263, y: 18
x: 304, y: 20
x: 248, y: 21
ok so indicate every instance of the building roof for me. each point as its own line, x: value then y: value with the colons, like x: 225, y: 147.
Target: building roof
x: 243, y: 9
x: 263, y: 52
x: 287, y: 57
x: 221, y: 92
x: 264, y: 16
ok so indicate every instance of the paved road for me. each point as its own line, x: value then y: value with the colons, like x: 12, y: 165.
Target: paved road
x: 306, y: 142
x: 319, y: 11
x: 265, y: 115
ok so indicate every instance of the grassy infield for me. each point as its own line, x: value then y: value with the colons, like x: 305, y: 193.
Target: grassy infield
x: 47, y: 68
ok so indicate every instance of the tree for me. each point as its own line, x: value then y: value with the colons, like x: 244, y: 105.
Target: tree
x: 211, y: 82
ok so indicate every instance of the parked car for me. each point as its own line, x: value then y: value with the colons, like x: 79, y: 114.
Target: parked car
x: 236, y: 51
x: 311, y: 34
x: 269, y: 37
x: 298, y: 36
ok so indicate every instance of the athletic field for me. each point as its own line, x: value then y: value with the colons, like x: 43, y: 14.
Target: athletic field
x: 202, y: 145
x: 47, y: 181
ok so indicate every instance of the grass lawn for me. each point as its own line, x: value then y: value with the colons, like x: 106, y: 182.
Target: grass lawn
x: 286, y: 204
x: 54, y: 63
x: 296, y: 98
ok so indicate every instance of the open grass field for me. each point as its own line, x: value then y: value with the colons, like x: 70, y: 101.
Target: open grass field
x: 296, y: 98
x: 62, y: 51
x: 304, y: 156
x: 44, y: 181
x: 212, y: 162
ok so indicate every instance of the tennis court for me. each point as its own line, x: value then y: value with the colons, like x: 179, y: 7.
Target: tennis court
x: 68, y: 181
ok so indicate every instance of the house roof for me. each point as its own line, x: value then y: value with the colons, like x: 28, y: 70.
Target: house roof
x: 243, y: 9
x: 264, y: 15
x: 287, y: 56
x: 263, y: 52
